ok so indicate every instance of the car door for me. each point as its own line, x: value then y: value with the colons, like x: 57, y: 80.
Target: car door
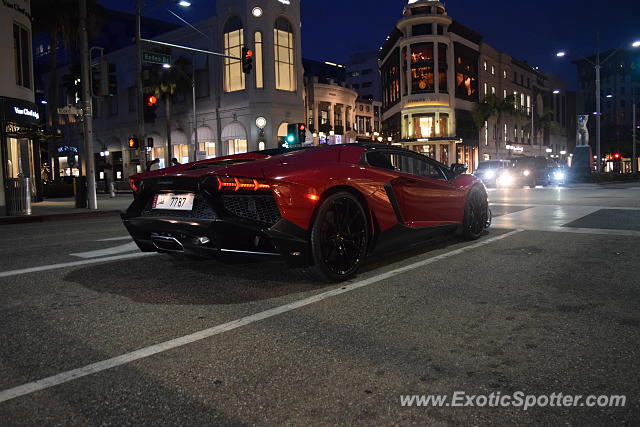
x: 421, y: 190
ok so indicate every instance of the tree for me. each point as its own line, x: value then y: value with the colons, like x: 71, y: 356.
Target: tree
x: 165, y: 83
x: 492, y: 107
x: 61, y: 22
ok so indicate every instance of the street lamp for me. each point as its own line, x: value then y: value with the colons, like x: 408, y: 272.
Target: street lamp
x: 598, y: 113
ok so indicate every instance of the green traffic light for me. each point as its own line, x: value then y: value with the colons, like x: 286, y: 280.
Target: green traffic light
x: 291, y: 138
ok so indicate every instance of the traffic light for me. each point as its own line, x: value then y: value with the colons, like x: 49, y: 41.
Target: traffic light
x: 292, y: 134
x: 302, y: 133
x: 150, y: 142
x: 247, y: 60
x: 134, y: 144
x: 150, y: 107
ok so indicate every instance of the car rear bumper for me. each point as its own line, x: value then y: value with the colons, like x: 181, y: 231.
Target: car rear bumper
x: 212, y: 238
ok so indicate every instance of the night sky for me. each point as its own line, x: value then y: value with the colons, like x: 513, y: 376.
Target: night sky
x: 529, y: 30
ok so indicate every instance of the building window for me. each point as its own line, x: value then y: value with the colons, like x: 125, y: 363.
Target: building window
x: 237, y: 146
x: 466, y: 73
x: 391, y: 80
x: 504, y: 74
x: 443, y: 125
x: 443, y: 83
x: 422, y: 72
x: 504, y: 94
x: 493, y: 90
x: 405, y: 84
x: 284, y: 55
x: 486, y: 89
x: 424, y: 125
x: 493, y: 70
x: 485, y: 65
x: 440, y: 30
x: 22, y: 56
x: 258, y: 58
x: 233, y: 42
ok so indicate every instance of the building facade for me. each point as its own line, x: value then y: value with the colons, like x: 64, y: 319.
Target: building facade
x: 335, y: 113
x: 20, y: 119
x: 363, y: 75
x: 235, y: 112
x: 435, y: 71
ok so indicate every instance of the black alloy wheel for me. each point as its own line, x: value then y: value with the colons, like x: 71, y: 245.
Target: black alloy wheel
x: 475, y: 214
x: 339, y: 237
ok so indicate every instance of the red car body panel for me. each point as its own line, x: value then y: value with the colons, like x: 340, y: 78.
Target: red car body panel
x: 300, y: 179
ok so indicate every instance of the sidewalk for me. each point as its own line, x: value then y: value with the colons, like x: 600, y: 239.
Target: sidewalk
x: 64, y: 210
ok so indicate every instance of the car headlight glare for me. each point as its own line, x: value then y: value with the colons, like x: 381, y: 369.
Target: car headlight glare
x: 526, y: 173
x: 490, y: 174
x: 559, y: 175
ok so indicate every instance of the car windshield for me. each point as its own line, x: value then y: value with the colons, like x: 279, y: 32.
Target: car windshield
x: 489, y: 165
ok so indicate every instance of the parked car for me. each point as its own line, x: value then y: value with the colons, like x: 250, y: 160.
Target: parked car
x: 489, y: 171
x: 326, y: 207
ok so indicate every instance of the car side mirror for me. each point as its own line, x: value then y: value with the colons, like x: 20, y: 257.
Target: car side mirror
x: 459, y: 168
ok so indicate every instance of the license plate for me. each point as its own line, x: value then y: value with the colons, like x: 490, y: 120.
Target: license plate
x: 174, y: 202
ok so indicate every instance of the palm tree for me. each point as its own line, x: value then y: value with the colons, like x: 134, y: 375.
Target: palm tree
x: 164, y: 83
x: 493, y: 107
x: 61, y: 23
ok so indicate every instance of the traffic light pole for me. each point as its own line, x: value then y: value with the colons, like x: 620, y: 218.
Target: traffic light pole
x: 87, y: 110
x: 143, y: 145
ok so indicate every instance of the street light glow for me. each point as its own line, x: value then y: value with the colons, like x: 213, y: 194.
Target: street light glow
x: 166, y: 65
x: 557, y: 91
x: 609, y: 95
x: 184, y: 3
x: 635, y: 43
x: 561, y: 54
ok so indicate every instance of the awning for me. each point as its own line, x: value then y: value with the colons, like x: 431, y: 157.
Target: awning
x: 234, y: 131
x: 178, y: 138
x: 205, y: 134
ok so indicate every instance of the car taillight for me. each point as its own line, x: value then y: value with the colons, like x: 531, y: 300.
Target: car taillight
x: 238, y: 184
x: 135, y: 184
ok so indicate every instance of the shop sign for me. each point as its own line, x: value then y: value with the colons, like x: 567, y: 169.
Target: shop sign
x: 67, y: 149
x: 26, y: 112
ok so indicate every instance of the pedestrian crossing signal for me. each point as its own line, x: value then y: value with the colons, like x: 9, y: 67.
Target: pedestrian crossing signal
x: 134, y: 144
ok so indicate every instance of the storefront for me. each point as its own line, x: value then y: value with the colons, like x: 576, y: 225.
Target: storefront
x: 20, y: 144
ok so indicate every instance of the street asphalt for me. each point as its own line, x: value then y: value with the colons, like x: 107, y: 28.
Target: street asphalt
x: 547, y: 302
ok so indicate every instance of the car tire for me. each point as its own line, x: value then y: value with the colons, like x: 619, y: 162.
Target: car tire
x: 475, y: 214
x: 339, y: 237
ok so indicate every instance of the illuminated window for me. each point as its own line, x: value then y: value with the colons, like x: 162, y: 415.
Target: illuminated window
x: 391, y: 80
x: 422, y: 68
x: 284, y: 55
x: 466, y: 73
x: 424, y: 125
x: 237, y: 146
x: 22, y: 56
x: 443, y: 125
x: 258, y: 60
x: 493, y: 69
x: 233, y: 43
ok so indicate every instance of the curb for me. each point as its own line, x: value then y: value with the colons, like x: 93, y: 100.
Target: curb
x: 8, y: 220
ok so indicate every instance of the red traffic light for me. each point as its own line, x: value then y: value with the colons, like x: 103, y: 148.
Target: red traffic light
x: 302, y: 127
x: 151, y: 101
x: 616, y: 156
x: 248, y: 53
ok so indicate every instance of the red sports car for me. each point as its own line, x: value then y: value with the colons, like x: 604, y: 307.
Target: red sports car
x: 326, y: 207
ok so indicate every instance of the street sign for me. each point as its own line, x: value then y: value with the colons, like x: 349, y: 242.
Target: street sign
x: 69, y: 110
x: 156, y: 58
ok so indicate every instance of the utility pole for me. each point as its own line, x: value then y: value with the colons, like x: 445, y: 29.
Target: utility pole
x: 634, y: 158
x: 195, y: 116
x: 598, y: 114
x: 141, y: 138
x: 87, y: 108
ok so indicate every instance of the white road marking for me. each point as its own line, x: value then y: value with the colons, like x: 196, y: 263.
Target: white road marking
x: 115, y: 239
x: 74, y: 264
x: 142, y: 353
x: 127, y: 247
x: 537, y: 205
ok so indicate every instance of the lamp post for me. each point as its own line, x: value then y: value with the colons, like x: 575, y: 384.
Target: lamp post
x: 143, y: 148
x: 634, y: 158
x: 598, y: 113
